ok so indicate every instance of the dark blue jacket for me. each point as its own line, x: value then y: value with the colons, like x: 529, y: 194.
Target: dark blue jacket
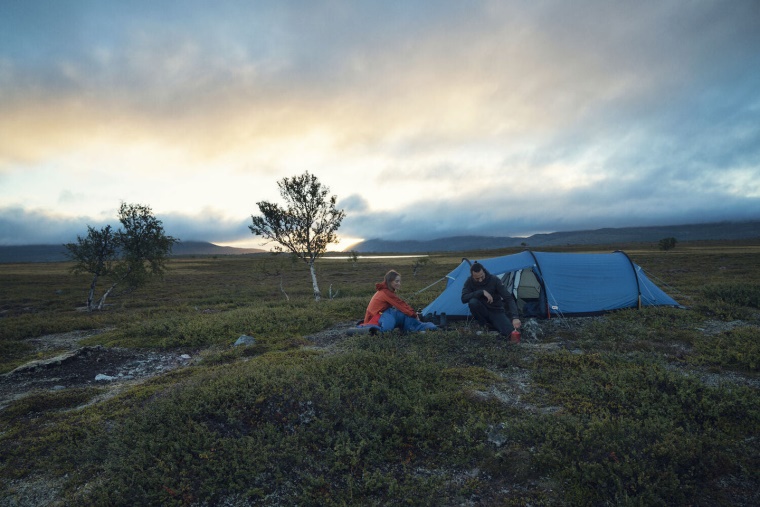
x: 493, y: 285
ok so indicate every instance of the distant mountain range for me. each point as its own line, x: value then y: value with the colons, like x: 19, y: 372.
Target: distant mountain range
x: 607, y: 236
x: 611, y: 236
x: 57, y: 253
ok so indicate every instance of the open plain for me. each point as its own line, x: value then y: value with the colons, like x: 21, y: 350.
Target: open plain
x: 149, y: 402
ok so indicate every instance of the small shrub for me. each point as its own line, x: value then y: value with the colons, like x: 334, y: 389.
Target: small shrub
x: 736, y: 301
x: 631, y: 429
x: 14, y: 353
x: 338, y: 428
x: 667, y: 243
x: 740, y: 294
x: 737, y: 349
x: 38, y: 405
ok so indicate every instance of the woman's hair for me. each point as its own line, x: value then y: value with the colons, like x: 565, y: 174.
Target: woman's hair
x: 390, y: 276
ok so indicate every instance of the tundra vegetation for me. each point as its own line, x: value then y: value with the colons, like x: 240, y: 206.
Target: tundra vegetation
x: 652, y: 407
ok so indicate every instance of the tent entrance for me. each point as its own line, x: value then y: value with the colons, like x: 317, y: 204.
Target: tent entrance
x: 527, y: 289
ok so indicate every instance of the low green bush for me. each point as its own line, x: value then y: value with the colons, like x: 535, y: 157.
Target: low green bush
x: 659, y: 330
x: 13, y: 354
x: 297, y: 426
x: 42, y: 403
x: 194, y: 329
x: 633, y: 432
x: 730, y: 301
x: 737, y: 349
x: 741, y: 293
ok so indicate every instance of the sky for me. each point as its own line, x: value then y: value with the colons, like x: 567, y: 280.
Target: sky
x: 426, y: 119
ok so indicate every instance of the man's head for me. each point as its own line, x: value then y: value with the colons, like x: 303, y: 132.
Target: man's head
x: 477, y: 272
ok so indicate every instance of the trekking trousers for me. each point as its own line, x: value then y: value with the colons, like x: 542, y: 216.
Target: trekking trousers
x: 392, y: 319
x: 486, y: 316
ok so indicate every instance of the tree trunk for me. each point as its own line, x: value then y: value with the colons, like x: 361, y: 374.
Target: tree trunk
x: 317, y: 294
x: 91, y: 295
x: 102, y: 301
x: 282, y: 289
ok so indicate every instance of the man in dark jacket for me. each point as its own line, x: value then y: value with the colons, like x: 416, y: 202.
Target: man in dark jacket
x: 486, y: 296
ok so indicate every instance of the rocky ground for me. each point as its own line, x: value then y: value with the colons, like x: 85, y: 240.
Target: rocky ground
x: 77, y: 366
x: 71, y: 366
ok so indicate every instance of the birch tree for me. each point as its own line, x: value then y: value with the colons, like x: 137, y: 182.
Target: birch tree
x: 129, y: 256
x: 305, y: 225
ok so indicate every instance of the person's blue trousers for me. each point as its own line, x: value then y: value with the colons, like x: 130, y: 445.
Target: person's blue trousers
x: 392, y: 319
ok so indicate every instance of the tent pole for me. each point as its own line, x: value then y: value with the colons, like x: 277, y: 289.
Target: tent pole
x: 635, y: 276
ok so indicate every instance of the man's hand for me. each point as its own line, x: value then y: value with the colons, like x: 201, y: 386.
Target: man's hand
x: 516, y: 323
x: 488, y: 296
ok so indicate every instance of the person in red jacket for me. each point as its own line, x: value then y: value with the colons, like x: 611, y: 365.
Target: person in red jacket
x: 386, y: 311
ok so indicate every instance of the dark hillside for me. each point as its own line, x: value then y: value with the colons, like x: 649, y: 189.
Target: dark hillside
x: 607, y: 236
x: 57, y: 253
x: 32, y: 253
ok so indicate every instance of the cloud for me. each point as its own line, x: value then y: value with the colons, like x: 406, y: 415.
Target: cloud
x: 506, y: 211
x: 353, y: 203
x: 207, y: 225
x: 19, y: 226
x: 425, y: 118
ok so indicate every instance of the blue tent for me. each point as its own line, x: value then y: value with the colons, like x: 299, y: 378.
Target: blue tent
x: 558, y: 284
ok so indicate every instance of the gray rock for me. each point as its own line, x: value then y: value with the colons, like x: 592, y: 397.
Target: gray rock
x: 531, y: 331
x: 245, y: 340
x: 104, y: 378
x: 497, y: 434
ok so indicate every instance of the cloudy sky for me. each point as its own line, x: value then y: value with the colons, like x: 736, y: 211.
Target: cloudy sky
x: 425, y: 118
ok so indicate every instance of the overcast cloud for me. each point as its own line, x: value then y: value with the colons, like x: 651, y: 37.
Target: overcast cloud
x: 426, y: 118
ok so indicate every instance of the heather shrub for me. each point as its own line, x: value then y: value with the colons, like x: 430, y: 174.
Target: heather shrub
x: 740, y: 294
x: 737, y: 349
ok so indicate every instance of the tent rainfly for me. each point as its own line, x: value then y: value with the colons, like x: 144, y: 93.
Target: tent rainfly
x: 547, y: 284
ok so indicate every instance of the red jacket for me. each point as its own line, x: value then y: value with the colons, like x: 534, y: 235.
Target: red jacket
x: 383, y: 299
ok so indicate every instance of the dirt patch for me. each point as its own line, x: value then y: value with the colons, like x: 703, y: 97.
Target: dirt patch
x: 76, y: 366
x: 328, y: 338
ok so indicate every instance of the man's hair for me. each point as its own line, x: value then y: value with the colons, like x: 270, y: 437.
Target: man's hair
x: 476, y: 268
